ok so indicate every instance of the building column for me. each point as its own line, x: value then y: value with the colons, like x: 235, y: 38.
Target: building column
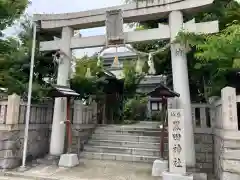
x: 59, y: 115
x: 181, y: 84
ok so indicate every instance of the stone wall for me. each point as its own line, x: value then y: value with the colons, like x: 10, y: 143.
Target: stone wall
x: 12, y: 124
x: 227, y: 154
x: 11, y: 144
x: 227, y: 136
x: 204, y: 147
x: 218, y: 149
x: 204, y: 152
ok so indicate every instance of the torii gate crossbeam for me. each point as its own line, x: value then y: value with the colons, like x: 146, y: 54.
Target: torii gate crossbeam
x: 161, y: 33
x: 134, y: 12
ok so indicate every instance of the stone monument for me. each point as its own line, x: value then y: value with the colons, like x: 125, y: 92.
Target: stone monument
x: 229, y: 107
x: 177, y: 152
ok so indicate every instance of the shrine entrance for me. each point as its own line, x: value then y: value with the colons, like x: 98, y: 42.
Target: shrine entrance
x: 63, y: 25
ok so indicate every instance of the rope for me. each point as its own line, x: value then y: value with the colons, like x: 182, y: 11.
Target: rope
x: 57, y: 59
x: 150, y: 54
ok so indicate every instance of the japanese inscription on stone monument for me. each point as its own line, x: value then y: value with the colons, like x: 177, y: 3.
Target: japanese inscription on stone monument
x: 176, y: 141
x: 229, y: 108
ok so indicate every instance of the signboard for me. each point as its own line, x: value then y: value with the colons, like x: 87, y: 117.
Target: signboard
x: 177, y: 162
x: 114, y: 27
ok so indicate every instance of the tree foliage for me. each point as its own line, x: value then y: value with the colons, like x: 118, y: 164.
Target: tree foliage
x: 223, y: 46
x: 211, y: 56
x: 131, y: 79
x: 215, y: 55
x: 135, y: 109
x: 11, y: 10
x: 15, y: 64
x: 83, y: 85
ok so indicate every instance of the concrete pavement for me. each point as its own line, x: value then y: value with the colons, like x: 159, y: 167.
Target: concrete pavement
x: 87, y: 170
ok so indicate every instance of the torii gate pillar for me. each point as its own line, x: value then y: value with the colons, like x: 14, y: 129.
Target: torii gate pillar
x: 59, y: 114
x: 181, y: 84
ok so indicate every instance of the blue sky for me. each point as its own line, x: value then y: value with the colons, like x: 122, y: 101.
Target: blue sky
x: 64, y: 6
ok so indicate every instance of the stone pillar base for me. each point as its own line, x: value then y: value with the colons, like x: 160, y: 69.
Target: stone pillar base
x: 68, y: 160
x: 172, y: 176
x: 23, y: 168
x: 159, y: 166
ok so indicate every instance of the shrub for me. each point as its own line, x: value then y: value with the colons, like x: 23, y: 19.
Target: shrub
x: 135, y: 109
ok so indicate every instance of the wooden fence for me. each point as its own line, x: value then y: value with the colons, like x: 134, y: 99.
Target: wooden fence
x: 203, y: 115
x: 84, y: 114
x: 39, y: 113
x: 13, y: 111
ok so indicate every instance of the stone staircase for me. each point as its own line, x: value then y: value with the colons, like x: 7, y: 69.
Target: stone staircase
x: 134, y: 143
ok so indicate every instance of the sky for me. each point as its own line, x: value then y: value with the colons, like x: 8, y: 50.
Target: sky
x: 65, y: 6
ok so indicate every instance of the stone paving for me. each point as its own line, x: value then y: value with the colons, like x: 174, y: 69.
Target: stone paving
x: 89, y: 170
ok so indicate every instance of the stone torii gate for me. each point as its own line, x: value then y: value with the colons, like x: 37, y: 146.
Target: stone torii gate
x: 113, y: 18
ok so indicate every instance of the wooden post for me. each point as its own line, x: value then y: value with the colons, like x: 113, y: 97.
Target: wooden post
x: 164, y: 114
x: 68, y: 125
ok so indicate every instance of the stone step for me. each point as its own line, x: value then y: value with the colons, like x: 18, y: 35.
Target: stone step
x: 118, y: 157
x: 130, y: 144
x: 128, y: 127
x: 137, y: 132
x: 149, y: 139
x: 122, y: 150
x: 148, y: 122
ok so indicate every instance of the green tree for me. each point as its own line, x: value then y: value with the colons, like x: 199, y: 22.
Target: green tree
x: 15, y: 64
x: 206, y: 78
x: 216, y: 55
x: 86, y: 86
x: 131, y: 79
x: 11, y: 10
